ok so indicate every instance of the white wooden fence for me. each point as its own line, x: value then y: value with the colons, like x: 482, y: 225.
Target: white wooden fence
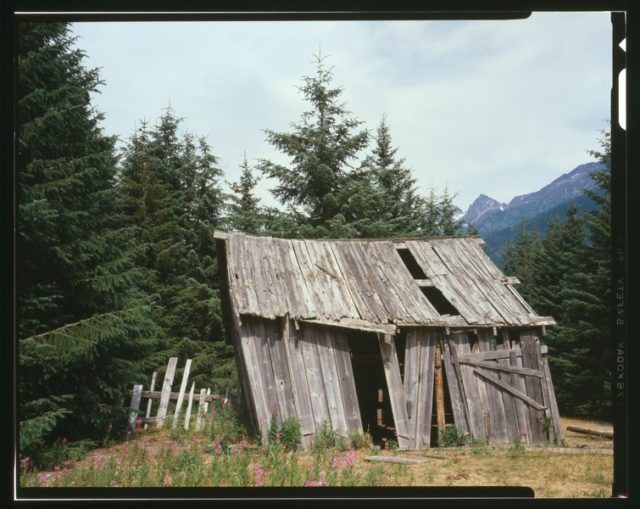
x: 205, y: 409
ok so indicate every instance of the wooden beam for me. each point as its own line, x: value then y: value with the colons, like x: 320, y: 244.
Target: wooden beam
x: 423, y: 282
x: 592, y: 432
x: 439, y: 383
x: 509, y: 389
x: 187, y: 416
x: 503, y: 367
x: 347, y: 323
x: 396, y: 390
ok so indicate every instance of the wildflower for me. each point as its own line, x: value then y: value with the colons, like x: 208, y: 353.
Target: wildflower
x: 345, y: 460
x: 316, y: 482
x: 168, y: 480
x: 64, y: 441
x: 243, y: 443
x: 138, y: 422
x: 43, y: 478
x: 56, y: 468
x: 259, y: 473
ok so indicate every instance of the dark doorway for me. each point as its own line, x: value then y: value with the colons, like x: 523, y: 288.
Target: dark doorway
x: 371, y: 387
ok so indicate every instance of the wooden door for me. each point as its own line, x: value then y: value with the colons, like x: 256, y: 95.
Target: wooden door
x: 502, y: 395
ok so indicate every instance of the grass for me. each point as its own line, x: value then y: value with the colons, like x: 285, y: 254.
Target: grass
x: 222, y: 455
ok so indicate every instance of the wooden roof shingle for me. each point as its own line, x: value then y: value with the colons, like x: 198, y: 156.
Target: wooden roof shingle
x: 366, y: 284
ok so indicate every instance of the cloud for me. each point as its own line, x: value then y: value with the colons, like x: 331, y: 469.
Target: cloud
x: 499, y: 107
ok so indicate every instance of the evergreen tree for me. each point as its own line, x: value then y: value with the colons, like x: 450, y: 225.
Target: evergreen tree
x: 567, y: 275
x: 245, y: 211
x: 73, y: 261
x: 321, y: 148
x: 519, y: 260
x: 172, y: 187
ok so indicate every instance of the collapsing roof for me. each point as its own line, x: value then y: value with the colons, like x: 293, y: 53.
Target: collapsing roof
x: 374, y: 284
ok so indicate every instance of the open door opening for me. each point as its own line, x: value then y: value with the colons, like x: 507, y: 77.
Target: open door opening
x: 371, y: 387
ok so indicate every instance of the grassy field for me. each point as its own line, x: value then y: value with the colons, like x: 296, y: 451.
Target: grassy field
x: 215, y: 458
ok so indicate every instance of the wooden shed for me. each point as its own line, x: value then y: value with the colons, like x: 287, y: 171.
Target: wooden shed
x: 397, y: 337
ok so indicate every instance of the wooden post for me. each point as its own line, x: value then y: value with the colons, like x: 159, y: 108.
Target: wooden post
x: 166, y: 391
x: 187, y: 415
x: 149, y: 401
x: 201, y: 405
x: 135, y: 404
x: 183, y: 387
x: 439, y: 383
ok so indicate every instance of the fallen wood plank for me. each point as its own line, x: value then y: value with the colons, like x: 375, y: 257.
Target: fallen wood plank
x: 593, y: 432
x: 183, y: 387
x: 570, y: 450
x: 397, y: 459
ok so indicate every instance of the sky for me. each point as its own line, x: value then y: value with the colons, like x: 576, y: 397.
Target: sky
x: 494, y: 107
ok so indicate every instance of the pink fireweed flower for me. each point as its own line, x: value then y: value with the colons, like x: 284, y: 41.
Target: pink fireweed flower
x: 168, y: 480
x: 316, y: 482
x: 64, y: 441
x: 138, y: 422
x: 43, y: 478
x: 259, y: 473
x: 243, y: 443
x: 344, y: 461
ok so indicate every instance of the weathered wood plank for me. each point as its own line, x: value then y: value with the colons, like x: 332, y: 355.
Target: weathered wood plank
x: 404, y: 285
x: 592, y: 432
x: 370, y: 287
x: 550, y: 431
x: 134, y: 406
x: 508, y: 401
x: 396, y: 391
x: 313, y: 372
x: 524, y: 424
x: 299, y: 302
x: 383, y: 283
x: 173, y: 396
x: 412, y: 365
x: 280, y: 370
x: 429, y: 262
x: 183, y: 387
x: 491, y: 355
x: 487, y: 394
x: 340, y: 297
x: 439, y: 389
x: 201, y: 410
x: 265, y: 367
x: 187, y: 415
x: 454, y: 384
x: 459, y: 343
x: 396, y: 459
x: 534, y: 387
x: 553, y: 404
x: 300, y: 389
x: 348, y: 323
x: 332, y: 388
x: 347, y: 383
x: 150, y: 402
x: 503, y: 367
x: 320, y: 282
x: 425, y: 388
x: 493, y: 379
x: 251, y: 359
x: 166, y: 391
x: 315, y: 295
x: 470, y: 281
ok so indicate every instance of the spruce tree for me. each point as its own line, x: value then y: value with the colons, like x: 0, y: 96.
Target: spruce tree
x: 83, y: 324
x: 321, y: 148
x: 171, y: 184
x: 244, y: 211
